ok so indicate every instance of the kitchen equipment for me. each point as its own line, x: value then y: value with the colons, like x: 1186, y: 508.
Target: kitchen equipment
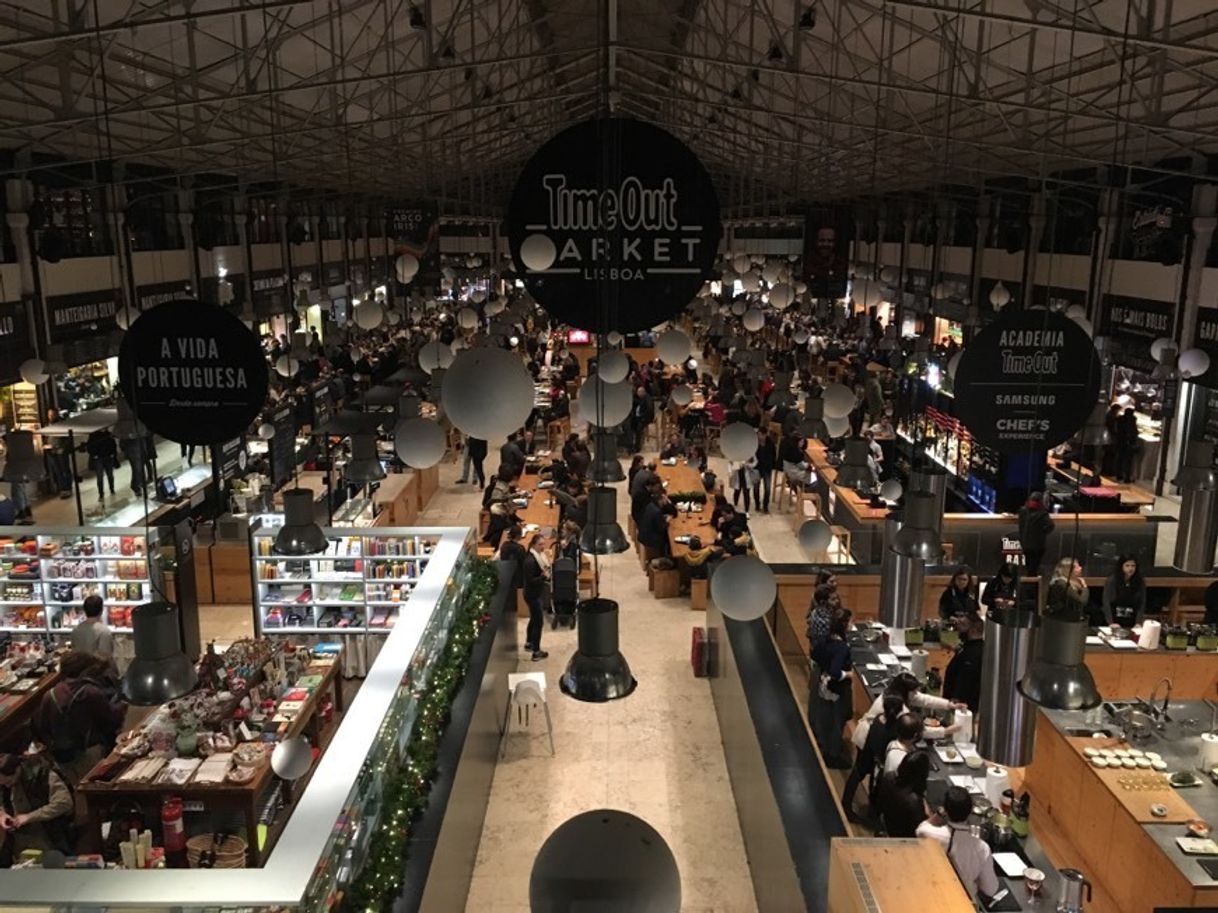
x: 1074, y: 883
x: 1033, y: 880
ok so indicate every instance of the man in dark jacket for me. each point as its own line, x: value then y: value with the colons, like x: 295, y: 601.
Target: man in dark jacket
x: 642, y: 414
x: 534, y: 593
x: 511, y: 455
x: 962, y: 678
x: 653, y: 524
x: 1035, y: 525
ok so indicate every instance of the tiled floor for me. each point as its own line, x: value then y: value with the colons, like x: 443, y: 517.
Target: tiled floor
x: 656, y: 754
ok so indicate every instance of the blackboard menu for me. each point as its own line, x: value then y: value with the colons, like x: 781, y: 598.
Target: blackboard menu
x: 283, y: 444
x: 323, y: 404
x: 25, y: 406
x: 1132, y: 324
x: 232, y: 457
x: 1209, y: 430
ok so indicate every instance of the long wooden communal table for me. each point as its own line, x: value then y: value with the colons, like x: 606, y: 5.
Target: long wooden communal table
x: 241, y: 799
x: 679, y: 478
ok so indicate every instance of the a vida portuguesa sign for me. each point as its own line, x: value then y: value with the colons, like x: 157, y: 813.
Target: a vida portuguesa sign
x: 613, y: 225
x: 193, y: 372
x: 1027, y: 382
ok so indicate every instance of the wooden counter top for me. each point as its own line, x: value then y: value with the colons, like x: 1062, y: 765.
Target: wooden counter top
x: 900, y: 876
x: 1133, y: 495
x: 859, y: 506
x: 1136, y: 803
x: 679, y: 478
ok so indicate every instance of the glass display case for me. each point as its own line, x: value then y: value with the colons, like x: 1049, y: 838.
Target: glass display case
x: 326, y: 841
x: 46, y: 576
x: 359, y: 584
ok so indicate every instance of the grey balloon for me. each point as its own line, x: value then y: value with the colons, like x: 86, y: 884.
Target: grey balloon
x: 673, y: 347
x: 682, y: 395
x: 738, y: 441
x: 435, y: 354
x: 292, y: 758
x: 419, y: 442
x: 487, y: 393
x: 744, y: 587
x: 891, y: 490
x: 613, y: 367
x: 603, y: 404
x: 607, y: 860
x: 815, y: 536
x: 839, y: 401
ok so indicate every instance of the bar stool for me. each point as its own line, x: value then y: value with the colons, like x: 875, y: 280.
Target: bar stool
x: 526, y: 693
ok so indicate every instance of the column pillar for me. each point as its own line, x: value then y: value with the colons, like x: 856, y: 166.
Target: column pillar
x: 240, y: 218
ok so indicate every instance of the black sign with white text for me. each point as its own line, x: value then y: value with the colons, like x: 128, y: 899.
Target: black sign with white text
x: 613, y: 225
x: 193, y: 372
x: 83, y: 314
x: 233, y: 457
x: 1206, y: 339
x: 270, y: 292
x: 283, y: 444
x: 15, y: 345
x: 1132, y: 324
x: 149, y: 296
x: 1027, y: 382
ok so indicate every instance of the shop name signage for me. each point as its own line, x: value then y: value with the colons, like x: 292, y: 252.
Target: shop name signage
x: 83, y: 313
x: 193, y: 373
x: 1134, y: 318
x: 624, y: 247
x: 1159, y: 217
x: 1027, y: 382
x: 269, y: 283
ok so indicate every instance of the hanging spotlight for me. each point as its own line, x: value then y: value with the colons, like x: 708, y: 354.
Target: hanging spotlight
x: 160, y: 670
x: 300, y: 534
x: 365, y: 465
x: 598, y: 672
x: 606, y: 467
x: 603, y: 534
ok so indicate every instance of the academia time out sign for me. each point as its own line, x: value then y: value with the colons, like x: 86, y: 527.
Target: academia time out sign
x: 193, y: 372
x: 613, y: 225
x: 1027, y: 382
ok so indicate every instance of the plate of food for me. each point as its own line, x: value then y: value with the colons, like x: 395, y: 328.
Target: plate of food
x: 134, y: 747
x: 249, y: 754
x: 241, y: 773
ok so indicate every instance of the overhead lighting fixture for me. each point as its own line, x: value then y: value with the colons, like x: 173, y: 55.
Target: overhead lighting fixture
x: 418, y: 21
x: 598, y: 672
x: 808, y: 20
x: 603, y: 534
x: 300, y: 535
x: 160, y: 670
x: 775, y: 52
x: 365, y: 465
x: 1058, y: 678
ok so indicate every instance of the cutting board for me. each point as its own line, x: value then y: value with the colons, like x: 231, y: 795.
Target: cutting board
x: 1138, y: 802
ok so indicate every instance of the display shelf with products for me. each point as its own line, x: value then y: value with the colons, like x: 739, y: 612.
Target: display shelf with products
x: 359, y: 584
x: 45, y: 577
x: 333, y: 836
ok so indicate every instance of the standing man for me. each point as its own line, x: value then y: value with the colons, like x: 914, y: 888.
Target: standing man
x: 1035, y: 525
x: 93, y: 635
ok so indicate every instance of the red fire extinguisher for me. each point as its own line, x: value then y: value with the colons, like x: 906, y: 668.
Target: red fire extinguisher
x: 173, y: 831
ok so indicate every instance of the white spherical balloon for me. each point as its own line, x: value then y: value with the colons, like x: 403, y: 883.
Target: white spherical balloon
x: 888, y: 275
x: 125, y: 317
x: 837, y: 427
x: 494, y: 307
x: 467, y: 318
x: 1193, y: 363
x: 434, y: 355
x: 537, y: 253
x: 741, y: 263
x: 771, y: 271
x: 1157, y: 347
x: 738, y: 441
x: 266, y: 431
x: 815, y: 536
x: 953, y: 363
x: 839, y: 401
x: 368, y: 315
x: 801, y: 288
x: 891, y: 490
x: 615, y: 338
x: 800, y: 336
x: 393, y: 317
x: 781, y: 296
x: 750, y: 282
x: 613, y: 367
x: 1076, y: 312
x: 33, y: 371
x: 407, y: 267
x: 753, y: 320
x: 287, y: 366
x: 682, y: 395
x: 419, y: 442
x: 744, y: 588
x: 487, y: 392
x: 477, y: 296
x: 1088, y: 328
x: 739, y: 307
x: 604, y: 404
x: 673, y: 347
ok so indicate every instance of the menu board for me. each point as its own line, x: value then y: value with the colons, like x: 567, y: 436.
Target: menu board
x: 323, y: 404
x: 232, y: 456
x: 25, y: 406
x: 1206, y: 339
x: 1209, y: 430
x: 283, y: 444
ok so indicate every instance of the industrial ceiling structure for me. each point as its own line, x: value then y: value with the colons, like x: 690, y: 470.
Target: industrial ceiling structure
x: 784, y: 101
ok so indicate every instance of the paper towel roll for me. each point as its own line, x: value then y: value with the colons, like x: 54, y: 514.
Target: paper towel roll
x: 918, y: 660
x: 963, y: 735
x: 1209, y: 751
x: 997, y: 781
x: 1149, y: 639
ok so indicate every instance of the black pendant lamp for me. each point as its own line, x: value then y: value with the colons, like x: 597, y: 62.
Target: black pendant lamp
x: 22, y: 463
x: 813, y: 424
x: 300, y: 534
x: 365, y: 466
x: 1058, y: 678
x: 854, y: 471
x: 606, y: 467
x: 602, y: 535
x: 160, y: 670
x: 598, y: 672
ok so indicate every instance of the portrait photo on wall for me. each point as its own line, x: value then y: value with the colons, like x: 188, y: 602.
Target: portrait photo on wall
x: 828, y: 232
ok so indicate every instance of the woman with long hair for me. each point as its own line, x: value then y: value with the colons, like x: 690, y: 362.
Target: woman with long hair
x: 1068, y: 594
x: 1125, y: 594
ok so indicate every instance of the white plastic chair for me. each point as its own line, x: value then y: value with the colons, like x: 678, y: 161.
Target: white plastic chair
x: 526, y: 693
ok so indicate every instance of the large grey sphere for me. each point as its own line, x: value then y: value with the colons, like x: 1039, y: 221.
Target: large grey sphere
x: 744, y: 587
x: 738, y: 441
x: 487, y: 393
x: 419, y: 442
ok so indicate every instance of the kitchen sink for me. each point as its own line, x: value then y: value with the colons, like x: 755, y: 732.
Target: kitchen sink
x: 1114, y: 709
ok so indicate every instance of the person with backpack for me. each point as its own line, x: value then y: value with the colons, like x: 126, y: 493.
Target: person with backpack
x: 36, y: 807
x: 80, y: 718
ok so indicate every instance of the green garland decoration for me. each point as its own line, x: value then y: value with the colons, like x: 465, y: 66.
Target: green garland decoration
x: 408, y: 786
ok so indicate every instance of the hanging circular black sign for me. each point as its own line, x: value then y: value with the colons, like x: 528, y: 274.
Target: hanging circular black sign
x: 1028, y: 381
x: 193, y: 372
x: 613, y: 225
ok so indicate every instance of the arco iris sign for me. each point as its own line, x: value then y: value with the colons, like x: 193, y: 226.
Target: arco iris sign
x: 613, y: 225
